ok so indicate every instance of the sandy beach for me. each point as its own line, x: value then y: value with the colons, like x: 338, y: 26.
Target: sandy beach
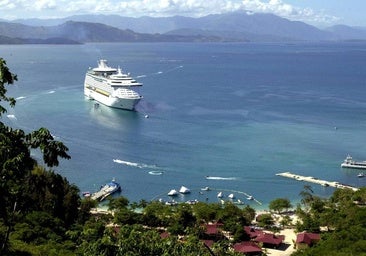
x: 288, y: 246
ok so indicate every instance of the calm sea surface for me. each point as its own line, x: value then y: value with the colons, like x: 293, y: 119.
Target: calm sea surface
x: 238, y: 113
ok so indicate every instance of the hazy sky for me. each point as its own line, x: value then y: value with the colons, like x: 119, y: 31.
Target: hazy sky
x: 316, y: 12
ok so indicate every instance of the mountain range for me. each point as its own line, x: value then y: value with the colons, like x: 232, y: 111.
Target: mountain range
x: 229, y: 27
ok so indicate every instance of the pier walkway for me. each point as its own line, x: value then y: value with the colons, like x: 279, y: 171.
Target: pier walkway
x: 324, y: 183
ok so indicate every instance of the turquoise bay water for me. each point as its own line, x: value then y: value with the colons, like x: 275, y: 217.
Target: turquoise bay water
x: 238, y: 113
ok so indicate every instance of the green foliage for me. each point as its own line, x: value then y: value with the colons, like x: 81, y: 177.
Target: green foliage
x: 343, y: 217
x: 6, y: 77
x: 118, y: 203
x: 265, y: 220
x: 279, y: 204
x: 23, y: 191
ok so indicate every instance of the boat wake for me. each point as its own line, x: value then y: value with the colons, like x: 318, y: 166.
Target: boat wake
x: 12, y: 117
x: 20, y: 98
x: 137, y: 165
x: 220, y: 178
x: 156, y: 172
x: 140, y: 76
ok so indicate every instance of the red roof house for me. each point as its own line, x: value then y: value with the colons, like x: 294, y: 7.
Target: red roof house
x: 270, y: 240
x: 306, y: 239
x: 248, y: 248
x: 252, y: 232
x: 213, y: 229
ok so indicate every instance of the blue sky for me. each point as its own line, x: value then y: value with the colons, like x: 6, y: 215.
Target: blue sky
x: 320, y: 13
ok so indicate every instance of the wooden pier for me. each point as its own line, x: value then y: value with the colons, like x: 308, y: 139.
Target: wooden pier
x: 311, y: 179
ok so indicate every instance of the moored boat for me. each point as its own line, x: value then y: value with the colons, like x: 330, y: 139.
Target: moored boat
x: 184, y: 190
x: 220, y: 195
x: 361, y: 175
x: 173, y: 192
x: 350, y: 163
x: 106, y: 190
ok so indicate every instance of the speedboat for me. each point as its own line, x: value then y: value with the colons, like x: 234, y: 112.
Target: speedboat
x: 361, y: 175
x: 220, y: 195
x: 205, y: 189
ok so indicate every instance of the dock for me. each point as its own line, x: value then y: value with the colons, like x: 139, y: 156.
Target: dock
x: 311, y: 179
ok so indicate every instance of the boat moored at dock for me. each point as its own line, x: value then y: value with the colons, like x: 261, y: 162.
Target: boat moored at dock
x: 106, y: 190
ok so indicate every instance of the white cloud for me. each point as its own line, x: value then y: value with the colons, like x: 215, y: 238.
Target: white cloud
x: 136, y: 8
x: 7, y: 5
x: 44, y: 4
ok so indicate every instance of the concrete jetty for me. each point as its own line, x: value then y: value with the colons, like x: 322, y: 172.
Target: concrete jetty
x: 311, y: 179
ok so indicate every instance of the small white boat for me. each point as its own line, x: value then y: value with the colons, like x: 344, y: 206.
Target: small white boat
x: 361, y: 175
x: 250, y: 198
x: 239, y: 202
x: 231, y: 196
x: 173, y: 192
x: 192, y: 201
x: 220, y: 195
x: 205, y: 189
x: 184, y: 190
x: 172, y: 202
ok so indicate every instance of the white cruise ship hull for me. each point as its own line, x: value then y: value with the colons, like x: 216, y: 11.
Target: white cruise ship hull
x: 111, y: 101
x: 354, y: 165
x: 98, y: 88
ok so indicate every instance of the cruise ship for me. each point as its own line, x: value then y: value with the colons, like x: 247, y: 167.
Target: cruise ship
x: 111, y: 87
x: 350, y: 163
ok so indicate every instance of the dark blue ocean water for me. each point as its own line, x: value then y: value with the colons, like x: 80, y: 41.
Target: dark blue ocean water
x: 239, y: 113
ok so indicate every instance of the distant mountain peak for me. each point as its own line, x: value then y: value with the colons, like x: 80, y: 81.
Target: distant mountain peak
x: 235, y: 26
